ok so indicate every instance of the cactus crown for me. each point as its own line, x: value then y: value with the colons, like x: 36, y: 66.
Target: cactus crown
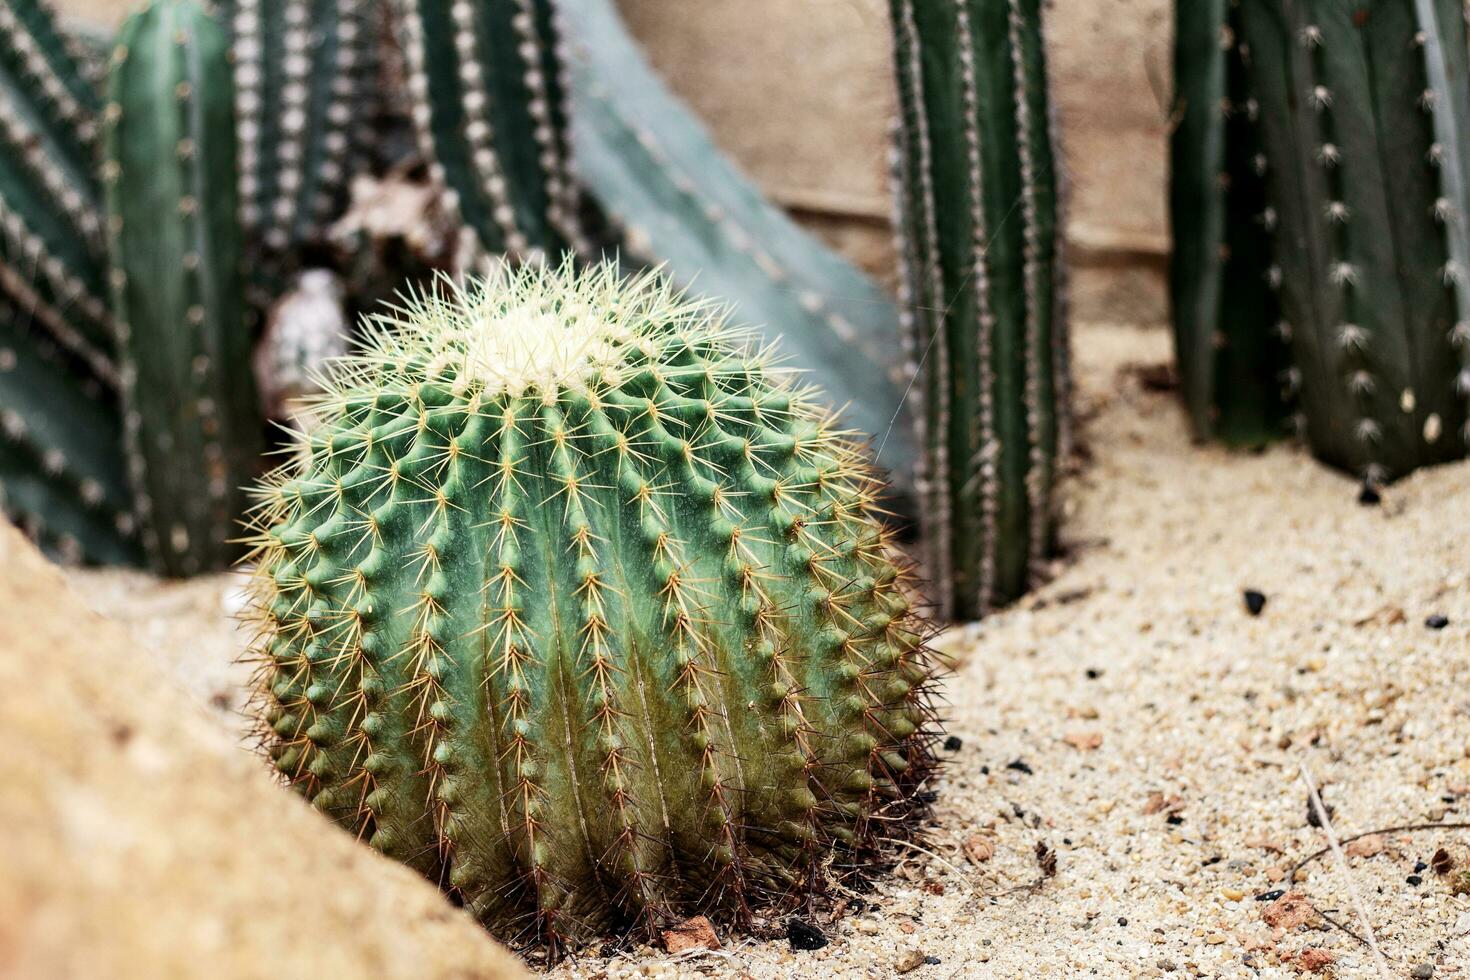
x: 578, y: 609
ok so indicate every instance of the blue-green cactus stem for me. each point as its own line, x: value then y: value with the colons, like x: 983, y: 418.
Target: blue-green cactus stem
x: 191, y: 421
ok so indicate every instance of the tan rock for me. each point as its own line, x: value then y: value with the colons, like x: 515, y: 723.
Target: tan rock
x: 142, y: 842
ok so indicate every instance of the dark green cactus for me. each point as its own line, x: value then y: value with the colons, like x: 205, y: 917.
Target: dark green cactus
x: 580, y: 612
x: 52, y: 250
x: 977, y: 191
x: 489, y: 107
x: 61, y: 464
x: 191, y: 422
x: 654, y: 170
x: 1364, y: 109
x: 299, y: 66
x: 1233, y: 359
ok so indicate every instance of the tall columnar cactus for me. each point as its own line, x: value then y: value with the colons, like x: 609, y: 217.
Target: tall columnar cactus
x: 1364, y: 111
x: 299, y: 66
x: 52, y: 250
x: 977, y: 192
x: 579, y: 611
x: 652, y: 167
x: 490, y: 110
x: 191, y: 421
x: 1233, y: 360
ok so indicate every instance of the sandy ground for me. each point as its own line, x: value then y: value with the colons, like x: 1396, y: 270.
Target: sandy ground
x: 1135, y: 719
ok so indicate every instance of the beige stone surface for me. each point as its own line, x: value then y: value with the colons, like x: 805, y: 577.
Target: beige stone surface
x: 140, y: 839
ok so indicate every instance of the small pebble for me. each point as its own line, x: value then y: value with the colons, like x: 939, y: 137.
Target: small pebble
x: 1419, y: 866
x: 908, y: 961
x: 1020, y: 766
x: 803, y: 935
x: 953, y: 744
x: 1423, y: 971
x: 1271, y: 895
x: 1414, y: 880
x: 933, y: 960
x: 1093, y: 673
x: 1254, y: 601
x: 1437, y: 622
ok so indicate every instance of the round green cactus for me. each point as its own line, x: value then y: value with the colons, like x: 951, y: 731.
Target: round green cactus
x: 583, y: 611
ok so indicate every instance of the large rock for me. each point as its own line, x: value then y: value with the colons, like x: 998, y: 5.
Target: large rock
x: 138, y: 840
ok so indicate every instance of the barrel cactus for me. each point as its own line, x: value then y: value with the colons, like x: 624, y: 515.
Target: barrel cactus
x: 582, y: 611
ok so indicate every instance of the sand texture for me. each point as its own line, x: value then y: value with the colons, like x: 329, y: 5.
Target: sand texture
x: 141, y: 841
x: 1132, y: 716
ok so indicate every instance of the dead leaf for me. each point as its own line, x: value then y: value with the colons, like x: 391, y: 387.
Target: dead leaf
x: 1046, y: 858
x: 1442, y: 863
x: 1365, y: 847
x: 695, y: 933
x: 1083, y: 741
x: 1289, y: 911
x: 1315, y: 960
x: 979, y: 848
x: 1159, y: 803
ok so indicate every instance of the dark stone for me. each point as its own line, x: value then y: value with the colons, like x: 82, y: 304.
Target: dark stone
x: 953, y: 744
x: 1254, y: 601
x: 1020, y: 766
x: 1271, y: 895
x: 803, y: 935
x: 1437, y: 622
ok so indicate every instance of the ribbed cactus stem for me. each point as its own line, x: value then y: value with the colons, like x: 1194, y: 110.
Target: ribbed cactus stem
x: 978, y: 204
x: 191, y: 421
x: 1232, y: 355
x: 51, y: 243
x: 1356, y: 107
x: 489, y: 109
x: 582, y: 613
x: 61, y: 467
x: 298, y: 65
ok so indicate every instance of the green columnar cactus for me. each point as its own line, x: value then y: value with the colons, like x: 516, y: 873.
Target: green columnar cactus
x: 1233, y: 359
x: 654, y: 170
x: 52, y: 252
x: 61, y: 465
x: 191, y: 422
x: 977, y: 192
x: 579, y: 611
x: 490, y: 112
x: 297, y: 69
x: 1364, y: 111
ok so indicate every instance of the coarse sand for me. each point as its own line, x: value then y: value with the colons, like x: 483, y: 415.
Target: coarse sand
x: 1134, y: 721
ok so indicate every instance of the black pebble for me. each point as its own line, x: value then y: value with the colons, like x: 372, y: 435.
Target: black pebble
x: 953, y: 744
x: 804, y: 935
x: 1419, y: 866
x: 1122, y: 921
x: 1020, y: 766
x: 1174, y: 820
x: 1254, y: 601
x: 1271, y: 895
x: 932, y: 960
x: 1093, y: 673
x: 1312, y: 817
x: 1437, y: 622
x: 1414, y: 880
x: 1369, y: 495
